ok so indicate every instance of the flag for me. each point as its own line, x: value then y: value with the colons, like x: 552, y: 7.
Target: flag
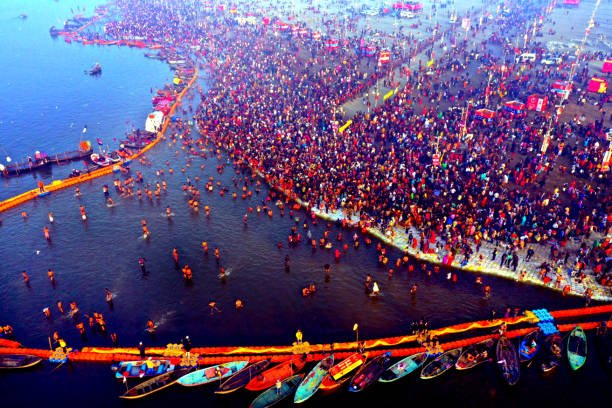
x: 85, y: 129
x: 100, y: 142
x: 355, y: 327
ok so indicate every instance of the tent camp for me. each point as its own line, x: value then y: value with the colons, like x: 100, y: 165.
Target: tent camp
x: 537, y: 102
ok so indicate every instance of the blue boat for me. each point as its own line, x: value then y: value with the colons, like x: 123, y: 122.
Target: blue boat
x: 141, y: 368
x: 529, y: 346
x: 274, y: 395
x: 213, y: 373
x: 310, y: 384
x: 403, y: 367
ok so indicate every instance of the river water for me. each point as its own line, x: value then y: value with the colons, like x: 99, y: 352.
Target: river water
x: 49, y: 100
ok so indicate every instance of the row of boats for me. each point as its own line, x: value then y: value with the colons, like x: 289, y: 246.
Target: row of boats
x: 283, y: 380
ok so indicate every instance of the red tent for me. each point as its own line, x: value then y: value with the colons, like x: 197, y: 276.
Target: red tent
x: 607, y: 66
x: 485, y: 114
x: 597, y: 85
x: 515, y: 108
x: 561, y: 87
x: 537, y: 102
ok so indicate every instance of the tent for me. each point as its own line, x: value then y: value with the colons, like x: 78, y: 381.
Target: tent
x: 561, y: 87
x: 154, y: 122
x: 484, y: 114
x: 515, y: 108
x: 571, y: 2
x: 597, y: 85
x: 332, y: 44
x: 537, y: 102
x: 409, y: 5
x: 384, y: 57
x: 368, y: 50
x: 607, y: 66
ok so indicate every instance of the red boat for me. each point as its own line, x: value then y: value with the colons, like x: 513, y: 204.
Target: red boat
x: 268, y: 378
x: 338, y: 374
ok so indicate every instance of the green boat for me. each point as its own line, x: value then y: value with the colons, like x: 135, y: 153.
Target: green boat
x: 403, y: 367
x: 577, y: 348
x: 213, y: 373
x: 311, y: 383
x: 274, y: 395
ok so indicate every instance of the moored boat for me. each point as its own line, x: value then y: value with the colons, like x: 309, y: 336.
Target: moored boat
x: 242, y: 377
x: 339, y: 373
x: 210, y: 374
x: 39, y: 161
x: 403, y: 367
x: 155, y: 384
x: 274, y: 395
x: 141, y: 368
x: 529, y: 346
x: 310, y: 384
x: 507, y: 360
x: 552, y: 348
x: 370, y: 372
x: 603, y: 345
x: 577, y: 348
x: 268, y: 378
x: 100, y: 160
x: 475, y: 354
x: 441, y: 364
x: 16, y: 361
x: 69, y: 156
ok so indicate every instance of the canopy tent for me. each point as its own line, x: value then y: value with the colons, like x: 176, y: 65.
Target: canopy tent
x: 154, y: 122
x: 571, y: 2
x: 384, y: 57
x: 484, y: 114
x: 561, y: 87
x: 332, y: 44
x: 598, y: 85
x: 607, y: 66
x: 537, y: 102
x: 514, y: 107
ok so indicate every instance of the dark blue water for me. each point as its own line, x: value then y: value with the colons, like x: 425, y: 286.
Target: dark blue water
x: 88, y: 257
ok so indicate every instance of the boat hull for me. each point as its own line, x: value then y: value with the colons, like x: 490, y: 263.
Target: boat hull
x: 441, y: 364
x: 273, y: 395
x: 211, y: 374
x: 577, y: 348
x: 403, y: 367
x: 310, y: 384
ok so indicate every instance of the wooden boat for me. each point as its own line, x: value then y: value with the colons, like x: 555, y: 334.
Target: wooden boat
x: 441, y: 364
x: 275, y: 395
x: 338, y: 374
x: 141, y: 368
x: 577, y: 348
x: 603, y: 344
x: 552, y: 348
x: 24, y: 166
x: 16, y: 361
x: 69, y: 156
x: 310, y: 384
x: 100, y: 160
x: 529, y: 346
x: 268, y: 378
x: 475, y: 354
x: 370, y: 372
x: 507, y: 360
x: 155, y: 384
x: 213, y: 373
x: 242, y: 377
x: 403, y: 367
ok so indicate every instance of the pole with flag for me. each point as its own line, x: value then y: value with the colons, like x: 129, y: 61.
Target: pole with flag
x: 356, y: 330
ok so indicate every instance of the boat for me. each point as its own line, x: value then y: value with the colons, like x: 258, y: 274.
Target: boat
x: 310, y: 384
x: 213, y: 373
x: 268, y: 378
x: 441, y: 364
x: 552, y: 348
x: 100, y: 160
x: 529, y: 346
x: 242, y: 377
x: 141, y: 368
x: 576, y: 348
x: 69, y: 156
x: 370, y: 372
x: 155, y: 384
x: 603, y: 344
x: 403, y: 367
x: 274, y: 395
x: 475, y: 354
x: 16, y: 361
x: 39, y: 161
x: 507, y: 360
x: 338, y: 374
x: 96, y: 69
